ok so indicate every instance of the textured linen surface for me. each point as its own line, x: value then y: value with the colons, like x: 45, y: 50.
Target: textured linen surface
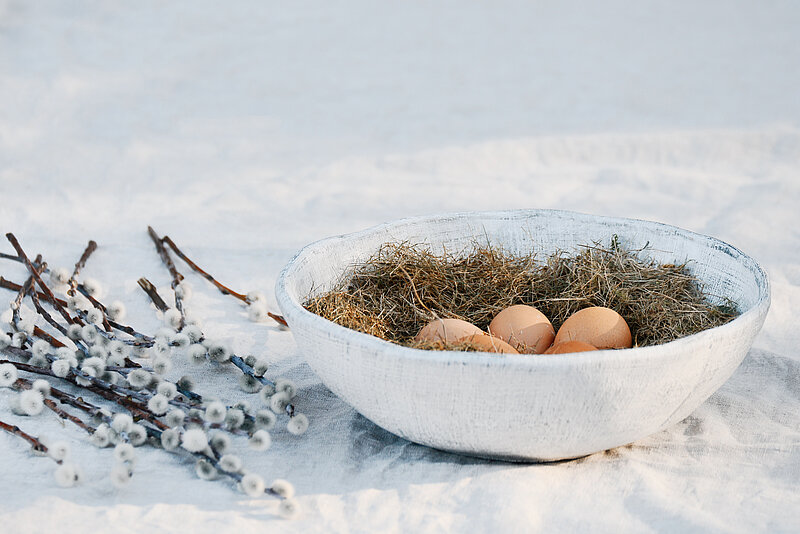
x: 245, y: 131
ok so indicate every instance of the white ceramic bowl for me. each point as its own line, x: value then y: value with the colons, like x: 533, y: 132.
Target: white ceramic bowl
x: 524, y: 407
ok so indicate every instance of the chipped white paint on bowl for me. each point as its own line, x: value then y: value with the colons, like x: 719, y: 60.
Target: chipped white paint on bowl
x: 524, y: 407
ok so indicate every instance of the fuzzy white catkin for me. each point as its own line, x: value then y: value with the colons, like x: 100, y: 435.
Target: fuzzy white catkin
x: 8, y: 375
x: 196, y: 354
x: 139, y: 378
x: 220, y: 442
x: 115, y: 360
x: 68, y: 475
x: 170, y: 439
x: 137, y: 435
x: 40, y: 347
x: 252, y: 485
x: 162, y: 365
x: 119, y: 348
x: 122, y: 422
x: 92, y: 287
x: 98, y: 351
x: 249, y: 384
x: 18, y: 338
x: 27, y: 326
x: 219, y: 352
x: 101, y: 437
x: 167, y: 389
x: 265, y: 419
x: 298, y: 424
x: 161, y: 347
x: 194, y: 440
x: 266, y: 393
x: 116, y: 311
x: 234, y: 418
x: 287, y: 386
x: 60, y: 368
x: 255, y: 296
x: 89, y: 333
x: 74, y: 331
x: 124, y: 452
x: 172, y: 318
x: 194, y: 333
x: 230, y: 463
x: 260, y: 367
x: 183, y: 291
x: 279, y: 401
x: 42, y: 386
x: 39, y: 361
x: 5, y: 340
x: 164, y: 334
x: 283, y: 488
x: 59, y: 276
x: 260, y: 440
x: 94, y: 316
x: 120, y: 475
x: 31, y: 402
x: 205, y: 470
x: 289, y: 509
x: 175, y: 417
x: 257, y: 312
x: 158, y: 404
x: 58, y: 451
x: 215, y: 412
x: 95, y: 363
x: 180, y: 340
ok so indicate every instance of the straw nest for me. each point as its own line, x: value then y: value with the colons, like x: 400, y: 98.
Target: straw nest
x: 403, y: 286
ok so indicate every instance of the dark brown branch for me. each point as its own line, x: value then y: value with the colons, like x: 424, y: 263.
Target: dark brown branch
x: 151, y: 291
x: 165, y: 257
x: 223, y: 289
x: 52, y: 298
x: 219, y: 285
x: 23, y: 383
x: 17, y: 431
x: 73, y: 280
x: 173, y: 271
x: 8, y: 284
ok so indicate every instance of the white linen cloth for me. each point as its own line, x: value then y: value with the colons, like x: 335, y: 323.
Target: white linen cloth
x: 245, y: 131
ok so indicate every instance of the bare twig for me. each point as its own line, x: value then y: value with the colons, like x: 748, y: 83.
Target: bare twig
x: 73, y: 280
x: 52, y: 298
x: 37, y: 445
x: 151, y: 291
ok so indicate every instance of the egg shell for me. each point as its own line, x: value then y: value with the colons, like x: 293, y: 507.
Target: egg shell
x: 598, y: 326
x: 570, y: 346
x: 447, y: 330
x: 489, y: 343
x: 523, y: 327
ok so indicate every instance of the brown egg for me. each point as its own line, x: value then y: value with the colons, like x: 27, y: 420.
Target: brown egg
x: 489, y: 343
x: 447, y: 330
x: 569, y: 346
x: 601, y: 327
x: 523, y: 327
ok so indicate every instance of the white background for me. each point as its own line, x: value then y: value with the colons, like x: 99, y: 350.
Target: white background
x: 248, y: 129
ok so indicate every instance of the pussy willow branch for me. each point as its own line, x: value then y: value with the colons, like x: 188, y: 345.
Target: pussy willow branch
x: 24, y: 383
x: 173, y: 271
x: 73, y: 280
x: 148, y: 287
x: 52, y: 298
x: 219, y: 285
x: 35, y: 443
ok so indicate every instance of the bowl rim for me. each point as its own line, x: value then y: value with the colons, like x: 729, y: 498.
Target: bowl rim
x: 296, y: 310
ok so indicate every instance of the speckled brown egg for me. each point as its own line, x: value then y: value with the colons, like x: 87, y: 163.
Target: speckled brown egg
x: 489, y: 343
x: 598, y: 326
x: 523, y: 327
x: 570, y: 346
x: 447, y: 330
